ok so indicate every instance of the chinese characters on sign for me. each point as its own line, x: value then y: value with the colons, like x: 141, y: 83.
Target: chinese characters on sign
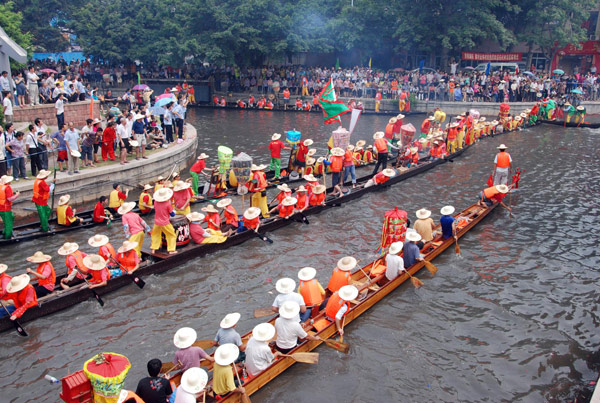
x: 493, y: 57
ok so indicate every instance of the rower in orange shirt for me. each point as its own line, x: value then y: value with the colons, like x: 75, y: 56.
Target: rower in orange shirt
x: 22, y: 294
x: 317, y: 196
x: 45, y: 274
x: 257, y: 184
x: 231, y: 217
x: 213, y: 218
x: 302, y: 197
x: 341, y: 274
x: 251, y: 218
x: 310, y: 288
x: 127, y: 258
x: 74, y: 262
x: 286, y: 207
x: 105, y: 249
x: 338, y: 306
x: 381, y: 177
x: 98, y: 270
x: 286, y: 98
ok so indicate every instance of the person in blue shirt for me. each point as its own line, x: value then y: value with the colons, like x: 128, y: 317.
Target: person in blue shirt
x: 448, y: 222
x: 168, y: 122
x: 139, y: 132
x: 412, y: 253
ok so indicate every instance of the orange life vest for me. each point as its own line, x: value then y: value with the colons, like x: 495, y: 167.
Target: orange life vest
x: 334, y: 304
x: 415, y: 158
x: 127, y: 259
x: 285, y: 211
x: 490, y: 192
x: 251, y: 224
x: 380, y: 178
x: 78, y: 261
x: 39, y: 194
x: 381, y: 146
x: 231, y: 216
x: 503, y: 160
x: 97, y: 275
x: 378, y: 96
x: 348, y: 157
x: 310, y: 292
x: 298, y: 103
x: 336, y: 163
x: 107, y: 251
x: 5, y: 205
x: 20, y: 298
x: 338, y: 279
x: 261, y: 179
x: 316, y: 199
x: 389, y: 131
x: 286, y: 94
x: 51, y: 279
x: 223, y: 102
x: 452, y: 134
x: 302, y: 201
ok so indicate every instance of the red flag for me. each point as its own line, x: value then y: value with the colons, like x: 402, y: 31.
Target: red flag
x: 490, y: 181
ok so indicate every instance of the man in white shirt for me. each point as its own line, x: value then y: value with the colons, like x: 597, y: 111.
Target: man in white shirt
x: 32, y: 86
x: 73, y: 142
x: 60, y: 109
x: 258, y: 353
x: 3, y: 167
x: 50, y: 81
x: 394, y: 263
x: 288, y: 329
x: 4, y: 83
x: 8, y: 108
x: 285, y: 287
x: 123, y: 139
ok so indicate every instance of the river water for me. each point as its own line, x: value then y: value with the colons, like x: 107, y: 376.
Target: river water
x: 513, y: 319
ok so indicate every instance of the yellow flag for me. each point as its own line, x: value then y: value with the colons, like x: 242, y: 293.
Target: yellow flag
x: 369, y: 62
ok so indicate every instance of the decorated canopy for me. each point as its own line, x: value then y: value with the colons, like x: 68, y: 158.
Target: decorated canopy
x: 107, y: 372
x: 407, y: 133
x: 394, y: 228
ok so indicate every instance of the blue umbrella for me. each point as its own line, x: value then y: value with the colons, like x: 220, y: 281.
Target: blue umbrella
x: 558, y: 71
x: 157, y: 110
x: 529, y: 73
x: 576, y: 91
x: 165, y: 101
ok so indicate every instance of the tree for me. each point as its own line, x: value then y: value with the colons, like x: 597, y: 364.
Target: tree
x: 11, y: 22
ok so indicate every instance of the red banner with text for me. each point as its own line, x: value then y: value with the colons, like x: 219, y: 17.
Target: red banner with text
x: 493, y: 57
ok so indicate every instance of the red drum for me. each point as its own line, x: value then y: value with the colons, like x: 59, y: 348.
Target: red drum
x: 181, y: 225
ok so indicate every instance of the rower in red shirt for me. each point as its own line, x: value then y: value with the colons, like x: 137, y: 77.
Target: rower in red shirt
x: 213, y: 218
x: 275, y: 146
x: 41, y: 194
x: 101, y: 212
x: 199, y: 168
x: 45, y: 274
x: 65, y: 215
x: 22, y: 293
x: 231, y: 217
x: 300, y: 161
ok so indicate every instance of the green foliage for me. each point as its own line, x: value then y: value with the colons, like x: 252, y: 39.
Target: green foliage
x: 11, y: 21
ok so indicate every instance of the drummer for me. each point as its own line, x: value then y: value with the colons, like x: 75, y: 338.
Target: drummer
x: 162, y: 225
x: 197, y: 233
x: 231, y: 217
x: 182, y: 198
x: 65, y: 215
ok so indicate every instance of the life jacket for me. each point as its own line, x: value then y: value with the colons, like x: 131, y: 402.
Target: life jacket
x: 503, y: 160
x: 285, y: 211
x: 452, y: 134
x: 141, y: 202
x: 20, y: 298
x: 425, y: 126
x: 216, y: 100
x: 223, y: 102
x: 415, y: 158
x: 298, y: 103
x: 5, y: 205
x: 302, y: 201
x: 214, y: 217
x: 378, y: 96
x: 286, y: 94
x: 306, y: 106
x: 61, y: 216
x: 380, y: 178
x: 127, y: 259
x: 336, y: 163
x: 250, y: 99
x: 282, y: 195
x: 269, y: 105
x: 251, y: 224
x: 241, y: 104
x: 40, y: 196
x: 261, y: 103
x: 231, y: 216
x: 78, y: 262
x: 368, y: 156
x: 316, y: 199
x: 334, y: 304
x: 348, y: 157
x: 338, y: 279
x: 310, y: 292
x: 114, y: 201
x: 51, y: 279
x: 315, y: 100
x: 319, y: 168
x: 107, y: 251
x: 308, y: 170
x: 381, y: 146
x: 262, y: 182
x: 97, y: 275
x: 490, y: 192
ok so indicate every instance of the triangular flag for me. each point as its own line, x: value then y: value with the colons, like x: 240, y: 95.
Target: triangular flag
x: 354, y: 119
x: 332, y: 108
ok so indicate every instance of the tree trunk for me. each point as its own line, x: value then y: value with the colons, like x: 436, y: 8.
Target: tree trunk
x: 529, y: 56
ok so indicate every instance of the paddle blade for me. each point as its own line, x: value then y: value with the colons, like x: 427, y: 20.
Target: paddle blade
x: 204, y: 344
x: 307, y: 358
x: 19, y: 328
x: 416, y: 282
x: 139, y: 282
x: 431, y: 267
x: 338, y: 345
x: 262, y: 312
x: 457, y: 248
x: 100, y: 301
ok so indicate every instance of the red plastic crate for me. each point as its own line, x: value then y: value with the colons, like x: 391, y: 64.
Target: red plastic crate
x: 76, y: 388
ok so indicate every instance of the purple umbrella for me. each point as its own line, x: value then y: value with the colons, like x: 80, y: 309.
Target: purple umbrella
x: 141, y: 87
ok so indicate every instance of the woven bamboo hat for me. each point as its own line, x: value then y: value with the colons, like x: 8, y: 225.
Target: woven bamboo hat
x: 346, y: 263
x: 98, y: 240
x: 126, y: 208
x: 38, y: 257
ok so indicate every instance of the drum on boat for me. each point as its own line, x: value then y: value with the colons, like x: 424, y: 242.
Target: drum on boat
x: 181, y: 225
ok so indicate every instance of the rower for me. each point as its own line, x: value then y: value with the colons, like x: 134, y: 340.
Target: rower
x: 284, y: 191
x: 197, y: 233
x: 286, y: 207
x: 22, y: 294
x: 41, y: 194
x: 502, y: 166
x: 223, y: 379
x: 6, y: 200
x: 426, y: 126
x: 154, y: 388
x: 311, y: 183
x: 98, y: 270
x: 447, y: 222
x: 213, y: 218
x: 162, y: 211
x: 188, y: 355
x: 288, y: 329
x: 491, y: 195
x: 300, y: 161
x: 74, y: 262
x: 275, y: 146
x: 394, y: 264
x: 424, y: 224
x: 101, y: 212
x: 319, y: 167
x: 193, y: 381
x: 368, y: 157
x: 160, y: 183
x: 4, y: 280
x: 412, y: 253
x: 349, y: 162
x: 228, y: 335
x: 285, y: 287
x: 231, y: 217
x: 116, y: 198
x: 341, y: 274
x: 127, y: 258
x: 145, y: 201
x: 252, y: 218
x: 199, y: 168
x: 338, y: 305
x: 452, y: 137
x: 105, y: 249
x: 134, y: 226
x: 317, y: 197
x: 336, y: 164
x: 65, y: 215
x: 258, y: 353
x: 44, y: 273
x: 257, y: 185
x: 182, y: 198
x: 381, y: 177
x: 311, y: 290
x: 302, y: 199
x: 176, y: 179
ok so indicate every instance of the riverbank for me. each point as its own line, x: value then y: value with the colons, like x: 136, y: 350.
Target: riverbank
x: 91, y: 183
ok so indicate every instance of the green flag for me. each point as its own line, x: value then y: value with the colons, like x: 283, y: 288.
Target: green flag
x: 332, y: 108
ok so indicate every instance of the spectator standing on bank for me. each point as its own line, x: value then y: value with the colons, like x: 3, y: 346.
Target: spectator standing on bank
x: 60, y: 109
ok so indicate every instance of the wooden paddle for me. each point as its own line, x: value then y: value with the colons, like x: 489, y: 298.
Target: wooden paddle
x: 415, y: 281
x: 15, y: 322
x: 245, y: 398
x: 262, y: 312
x: 306, y: 358
x: 430, y: 267
x: 100, y: 301
x: 138, y: 281
x: 456, y: 247
x: 204, y: 344
x: 334, y: 344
